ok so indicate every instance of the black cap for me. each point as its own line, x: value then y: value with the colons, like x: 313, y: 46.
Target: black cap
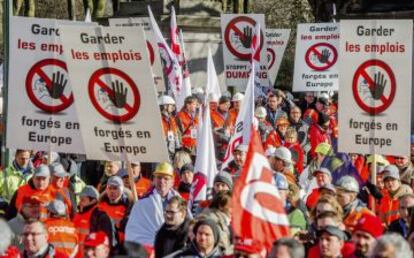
x: 333, y: 231
x: 186, y: 167
x: 212, y: 224
x: 224, y: 99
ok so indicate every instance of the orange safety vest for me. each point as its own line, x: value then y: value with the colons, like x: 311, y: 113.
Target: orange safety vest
x: 82, y: 222
x: 351, y: 220
x: 169, y: 125
x: 62, y: 235
x: 217, y: 119
x: 142, y: 186
x: 231, y: 118
x: 188, y: 129
x: 116, y: 211
x: 389, y: 209
x: 45, y: 196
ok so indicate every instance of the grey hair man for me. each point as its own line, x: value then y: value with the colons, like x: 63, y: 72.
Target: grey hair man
x: 392, y: 245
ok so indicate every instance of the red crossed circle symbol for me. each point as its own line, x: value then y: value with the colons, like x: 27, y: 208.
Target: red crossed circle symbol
x: 232, y: 26
x: 385, y: 99
x: 315, y: 50
x: 130, y: 108
x: 271, y: 58
x: 37, y: 70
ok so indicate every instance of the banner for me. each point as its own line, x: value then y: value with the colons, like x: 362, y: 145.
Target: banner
x: 114, y: 93
x: 316, y: 57
x: 277, y: 40
x: 153, y: 52
x: 375, y: 86
x: 237, y: 34
x: 41, y: 112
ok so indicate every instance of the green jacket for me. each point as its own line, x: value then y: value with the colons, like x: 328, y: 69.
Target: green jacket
x: 10, y: 180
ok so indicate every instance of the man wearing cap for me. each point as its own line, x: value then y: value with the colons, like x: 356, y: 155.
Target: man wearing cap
x: 402, y: 225
x: 280, y: 160
x: 218, y: 119
x: 30, y: 210
x: 35, y: 241
x: 59, y: 181
x: 142, y: 184
x: 39, y: 186
x: 235, y: 166
x: 97, y: 245
x: 186, y: 180
x: 295, y: 119
x: 366, y: 231
x: 111, y: 168
x: 62, y: 232
x: 406, y: 169
x: 147, y: 215
x: 264, y: 127
x: 273, y: 107
x: 205, y: 242
x: 331, y: 241
x: 233, y: 112
x: 15, y: 174
x: 347, y: 189
x: 115, y: 202
x: 187, y: 120
x: 169, y: 124
x: 276, y: 137
x: 389, y: 205
x: 323, y: 176
x: 223, y: 181
x: 90, y: 218
x: 318, y: 133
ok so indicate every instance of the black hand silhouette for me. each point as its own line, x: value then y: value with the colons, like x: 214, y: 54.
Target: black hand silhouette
x: 246, y: 38
x: 377, y: 90
x: 324, y: 57
x: 119, y: 96
x: 58, y: 85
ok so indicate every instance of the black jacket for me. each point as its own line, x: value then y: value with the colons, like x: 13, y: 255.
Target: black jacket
x: 169, y: 240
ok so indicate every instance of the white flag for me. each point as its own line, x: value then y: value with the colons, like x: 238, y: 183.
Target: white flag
x: 184, y: 66
x: 171, y: 64
x: 88, y: 16
x: 213, y: 86
x: 205, y: 164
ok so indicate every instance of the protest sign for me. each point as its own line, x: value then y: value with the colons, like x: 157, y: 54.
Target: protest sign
x: 277, y: 40
x: 375, y: 86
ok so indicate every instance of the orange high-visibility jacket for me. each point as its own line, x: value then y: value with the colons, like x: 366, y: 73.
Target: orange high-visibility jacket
x: 62, y: 235
x: 188, y: 127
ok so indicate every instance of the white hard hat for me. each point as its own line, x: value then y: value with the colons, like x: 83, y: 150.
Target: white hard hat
x: 212, y: 97
x: 283, y: 153
x: 197, y: 90
x: 260, y: 112
x: 165, y: 100
x: 238, y: 97
x: 348, y: 184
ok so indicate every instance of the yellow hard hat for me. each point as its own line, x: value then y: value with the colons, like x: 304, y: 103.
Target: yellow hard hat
x: 378, y: 159
x: 165, y: 169
x: 323, y: 148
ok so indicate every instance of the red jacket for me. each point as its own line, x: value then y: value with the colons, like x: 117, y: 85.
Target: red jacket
x: 316, y: 136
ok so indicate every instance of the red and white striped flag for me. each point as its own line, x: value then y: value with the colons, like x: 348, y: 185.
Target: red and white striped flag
x: 171, y: 63
x: 175, y: 38
x: 258, y: 211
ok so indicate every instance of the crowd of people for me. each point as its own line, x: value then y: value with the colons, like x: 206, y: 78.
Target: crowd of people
x: 336, y: 204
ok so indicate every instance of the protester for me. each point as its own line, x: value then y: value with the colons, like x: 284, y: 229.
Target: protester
x: 248, y: 248
x: 391, y: 245
x: 287, y: 248
x: 187, y: 120
x: 147, y: 215
x: 169, y: 124
x: 173, y: 234
x: 366, y: 231
x: 186, y: 180
x: 90, y: 218
x: 205, y: 243
x: 331, y: 241
x: 235, y: 166
x: 402, y: 225
x: 35, y: 241
x: 97, y: 245
x: 16, y: 174
x: 62, y: 231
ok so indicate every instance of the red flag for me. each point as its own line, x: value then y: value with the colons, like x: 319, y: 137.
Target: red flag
x: 258, y: 211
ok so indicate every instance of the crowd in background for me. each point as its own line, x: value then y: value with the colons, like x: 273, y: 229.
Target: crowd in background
x: 61, y: 205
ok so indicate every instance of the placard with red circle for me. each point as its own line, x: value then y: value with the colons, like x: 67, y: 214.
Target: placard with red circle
x: 363, y: 82
x: 271, y: 58
x: 232, y: 27
x: 98, y: 86
x: 315, y: 51
x: 43, y: 71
